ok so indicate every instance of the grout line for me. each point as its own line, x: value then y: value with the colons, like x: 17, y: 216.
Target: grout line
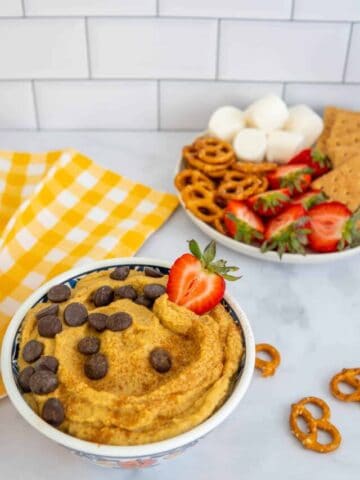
x: 23, y: 8
x: 157, y: 7
x: 96, y: 130
x: 88, y: 57
x: 158, y: 100
x: 179, y: 17
x: 217, y: 59
x: 178, y: 80
x: 292, y: 11
x: 37, y: 120
x: 283, y: 90
x: 347, y: 54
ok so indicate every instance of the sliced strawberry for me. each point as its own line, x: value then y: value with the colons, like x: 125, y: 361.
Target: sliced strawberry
x: 270, y: 203
x: 196, y: 281
x: 310, y: 199
x: 242, y: 223
x: 317, y: 161
x: 297, y: 178
x: 331, y: 227
x: 287, y: 232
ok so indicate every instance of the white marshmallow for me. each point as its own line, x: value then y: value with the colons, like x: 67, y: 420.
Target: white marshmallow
x: 282, y: 145
x: 305, y: 121
x: 268, y: 113
x: 250, y: 145
x: 225, y: 122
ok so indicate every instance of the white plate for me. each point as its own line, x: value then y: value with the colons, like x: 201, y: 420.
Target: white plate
x: 251, y: 251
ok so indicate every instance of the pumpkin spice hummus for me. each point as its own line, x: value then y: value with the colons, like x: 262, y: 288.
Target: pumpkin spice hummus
x: 114, y: 361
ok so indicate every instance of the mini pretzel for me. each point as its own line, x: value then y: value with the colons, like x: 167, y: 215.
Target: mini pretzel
x: 196, y: 191
x: 218, y: 152
x: 205, y: 210
x: 267, y: 367
x: 191, y: 177
x: 239, y: 190
x: 250, y: 167
x: 309, y: 439
x: 350, y: 376
x: 195, y: 162
x: 234, y: 176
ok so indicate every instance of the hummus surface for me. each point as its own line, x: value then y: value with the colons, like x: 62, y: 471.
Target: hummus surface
x: 134, y: 404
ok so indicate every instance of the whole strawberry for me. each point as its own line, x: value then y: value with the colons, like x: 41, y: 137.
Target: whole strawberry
x: 197, y: 281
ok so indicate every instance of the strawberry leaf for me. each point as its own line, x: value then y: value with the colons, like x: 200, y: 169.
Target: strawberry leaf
x: 209, y: 252
x: 195, y: 249
x: 321, y: 159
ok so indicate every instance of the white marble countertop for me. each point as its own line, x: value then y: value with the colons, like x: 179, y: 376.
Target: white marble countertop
x: 311, y: 313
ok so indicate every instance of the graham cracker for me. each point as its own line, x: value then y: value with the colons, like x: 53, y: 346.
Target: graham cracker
x: 343, y: 183
x: 345, y: 132
x: 340, y: 155
x: 329, y: 118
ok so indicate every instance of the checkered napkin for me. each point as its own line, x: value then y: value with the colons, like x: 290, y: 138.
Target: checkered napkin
x: 60, y: 209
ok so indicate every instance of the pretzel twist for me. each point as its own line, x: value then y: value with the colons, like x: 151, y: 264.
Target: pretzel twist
x: 309, y: 439
x: 267, y: 367
x: 351, y: 377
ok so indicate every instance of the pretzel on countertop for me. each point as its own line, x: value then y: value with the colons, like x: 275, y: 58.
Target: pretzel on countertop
x: 309, y: 439
x: 267, y: 367
x: 351, y: 377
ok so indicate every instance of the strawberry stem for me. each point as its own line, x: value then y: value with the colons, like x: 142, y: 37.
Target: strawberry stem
x: 207, y: 258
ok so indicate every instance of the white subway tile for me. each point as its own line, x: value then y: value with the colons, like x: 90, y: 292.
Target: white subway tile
x: 327, y: 10
x: 42, y: 48
x: 285, y: 51
x: 319, y: 95
x: 97, y: 104
x: 10, y: 8
x: 90, y: 7
x: 227, y: 8
x: 353, y: 67
x: 147, y: 48
x: 17, y: 105
x: 188, y: 105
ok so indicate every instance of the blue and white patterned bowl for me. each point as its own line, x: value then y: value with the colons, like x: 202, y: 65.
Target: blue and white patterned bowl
x: 139, y: 456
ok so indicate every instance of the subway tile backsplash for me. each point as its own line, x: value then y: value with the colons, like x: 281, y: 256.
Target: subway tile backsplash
x: 166, y: 64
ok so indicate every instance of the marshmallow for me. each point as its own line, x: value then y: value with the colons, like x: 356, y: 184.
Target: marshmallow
x: 282, y: 145
x: 305, y: 121
x: 225, y: 122
x: 250, y: 145
x: 268, y: 113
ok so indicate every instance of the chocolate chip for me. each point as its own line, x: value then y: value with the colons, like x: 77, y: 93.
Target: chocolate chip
x: 160, y: 360
x: 103, y: 296
x: 96, y: 366
x: 43, y: 381
x: 142, y: 300
x: 32, y: 351
x: 24, y: 378
x: 47, y: 362
x: 49, y: 326
x: 59, y: 293
x: 118, y: 321
x: 50, y: 310
x: 75, y: 314
x: 53, y: 412
x: 154, y: 291
x: 120, y: 273
x: 127, y: 291
x: 88, y: 345
x: 97, y: 321
x: 153, y: 272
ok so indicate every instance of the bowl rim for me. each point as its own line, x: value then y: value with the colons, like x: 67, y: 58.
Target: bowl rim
x: 104, y: 450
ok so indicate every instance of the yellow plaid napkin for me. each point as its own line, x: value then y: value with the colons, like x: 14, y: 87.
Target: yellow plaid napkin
x: 60, y: 209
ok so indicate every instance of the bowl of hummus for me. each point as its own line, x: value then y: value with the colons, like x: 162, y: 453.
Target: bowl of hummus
x: 100, y: 361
